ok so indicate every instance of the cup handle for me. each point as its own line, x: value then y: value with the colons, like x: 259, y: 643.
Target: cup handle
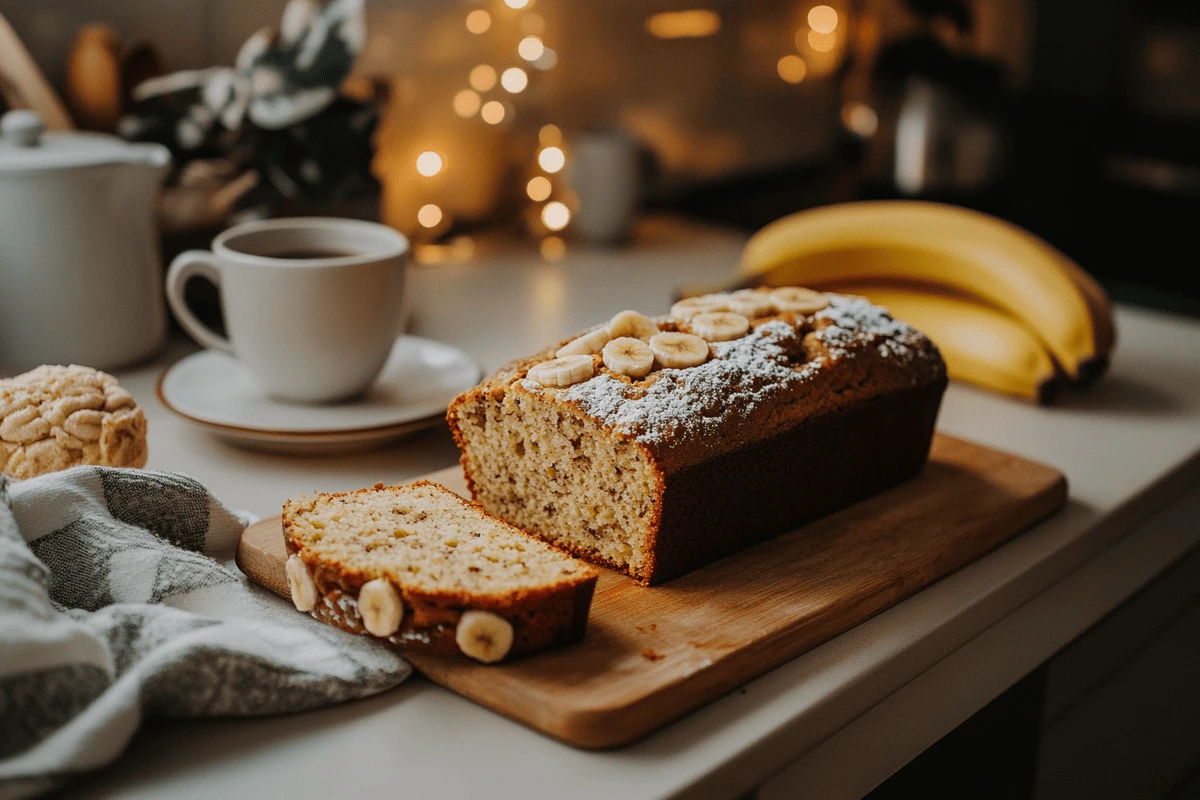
x: 186, y: 265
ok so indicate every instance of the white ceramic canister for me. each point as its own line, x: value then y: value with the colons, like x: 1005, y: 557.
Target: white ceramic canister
x: 604, y: 172
x: 80, y: 271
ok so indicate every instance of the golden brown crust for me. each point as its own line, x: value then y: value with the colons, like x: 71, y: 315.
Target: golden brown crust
x: 541, y: 615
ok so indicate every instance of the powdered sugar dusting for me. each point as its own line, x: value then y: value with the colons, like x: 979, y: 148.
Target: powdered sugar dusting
x: 855, y: 318
x: 741, y: 376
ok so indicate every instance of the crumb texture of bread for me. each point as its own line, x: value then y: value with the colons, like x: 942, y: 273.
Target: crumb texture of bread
x: 425, y: 540
x: 542, y: 467
x: 444, y: 555
x: 638, y: 473
x: 57, y: 417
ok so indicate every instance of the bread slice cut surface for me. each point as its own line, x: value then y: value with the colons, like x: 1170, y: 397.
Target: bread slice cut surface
x: 441, y: 556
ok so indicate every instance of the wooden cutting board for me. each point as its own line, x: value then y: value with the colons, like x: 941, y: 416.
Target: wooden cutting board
x: 653, y: 654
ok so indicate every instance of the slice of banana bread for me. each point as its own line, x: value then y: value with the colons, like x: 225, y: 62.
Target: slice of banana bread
x: 660, y: 445
x: 417, y: 564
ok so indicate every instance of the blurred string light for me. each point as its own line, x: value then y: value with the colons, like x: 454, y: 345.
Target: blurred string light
x: 539, y: 189
x: 792, y: 68
x: 822, y: 42
x: 492, y: 112
x: 531, y: 48
x: 693, y: 23
x: 429, y: 163
x: 555, y: 215
x: 466, y: 103
x: 514, y: 80
x: 552, y: 159
x: 482, y: 78
x: 822, y: 19
x: 429, y: 215
x: 860, y: 118
x: 478, y: 21
x: 553, y: 248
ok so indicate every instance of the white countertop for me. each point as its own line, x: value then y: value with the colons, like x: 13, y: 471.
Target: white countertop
x: 844, y: 715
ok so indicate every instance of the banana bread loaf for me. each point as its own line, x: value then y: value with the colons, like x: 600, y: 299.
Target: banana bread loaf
x: 656, y: 446
x: 419, y: 565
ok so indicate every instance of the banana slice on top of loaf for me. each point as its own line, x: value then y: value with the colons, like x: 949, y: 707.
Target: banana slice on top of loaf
x: 419, y: 565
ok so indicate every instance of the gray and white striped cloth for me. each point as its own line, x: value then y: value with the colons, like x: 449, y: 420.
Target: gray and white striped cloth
x: 115, y: 605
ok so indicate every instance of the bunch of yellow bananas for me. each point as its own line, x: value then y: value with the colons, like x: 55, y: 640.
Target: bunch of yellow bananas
x: 1008, y: 311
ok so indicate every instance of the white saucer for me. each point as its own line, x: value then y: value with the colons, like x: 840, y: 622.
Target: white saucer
x: 421, y: 377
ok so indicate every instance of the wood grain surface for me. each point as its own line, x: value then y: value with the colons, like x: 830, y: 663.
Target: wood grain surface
x: 652, y: 654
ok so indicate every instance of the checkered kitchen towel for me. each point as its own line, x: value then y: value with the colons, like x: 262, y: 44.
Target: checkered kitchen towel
x: 114, y: 605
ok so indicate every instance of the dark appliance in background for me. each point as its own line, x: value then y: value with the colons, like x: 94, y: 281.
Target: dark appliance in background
x: 938, y: 122
x: 1107, y: 144
x: 1097, y: 151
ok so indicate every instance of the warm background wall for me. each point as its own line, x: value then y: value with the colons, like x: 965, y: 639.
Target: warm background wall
x: 708, y: 106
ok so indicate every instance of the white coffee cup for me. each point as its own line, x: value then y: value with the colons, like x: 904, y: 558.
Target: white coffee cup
x: 312, y: 305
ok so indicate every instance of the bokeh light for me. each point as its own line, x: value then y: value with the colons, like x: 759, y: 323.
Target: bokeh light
x: 860, y: 118
x: 550, y: 135
x: 690, y: 24
x: 538, y: 188
x: 822, y: 19
x: 466, y: 103
x: 516, y: 3
x: 555, y: 215
x: 514, y: 80
x: 492, y: 112
x: 478, y: 21
x: 531, y: 48
x: 482, y: 78
x: 552, y: 159
x: 822, y: 42
x: 429, y: 163
x: 792, y: 68
x: 429, y: 215
x: 547, y: 60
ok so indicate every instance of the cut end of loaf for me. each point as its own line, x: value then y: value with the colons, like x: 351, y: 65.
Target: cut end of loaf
x: 552, y: 471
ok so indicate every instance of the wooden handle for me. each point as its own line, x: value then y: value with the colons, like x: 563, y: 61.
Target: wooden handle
x: 21, y: 73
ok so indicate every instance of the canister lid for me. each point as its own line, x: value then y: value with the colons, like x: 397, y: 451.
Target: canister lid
x: 26, y: 146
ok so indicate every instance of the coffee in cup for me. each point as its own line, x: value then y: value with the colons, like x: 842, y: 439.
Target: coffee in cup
x: 312, y: 305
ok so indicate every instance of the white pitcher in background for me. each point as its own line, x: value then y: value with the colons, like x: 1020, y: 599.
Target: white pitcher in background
x: 80, y: 271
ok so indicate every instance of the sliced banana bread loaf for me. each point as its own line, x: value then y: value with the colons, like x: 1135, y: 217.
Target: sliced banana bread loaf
x: 659, y: 445
x: 417, y: 564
